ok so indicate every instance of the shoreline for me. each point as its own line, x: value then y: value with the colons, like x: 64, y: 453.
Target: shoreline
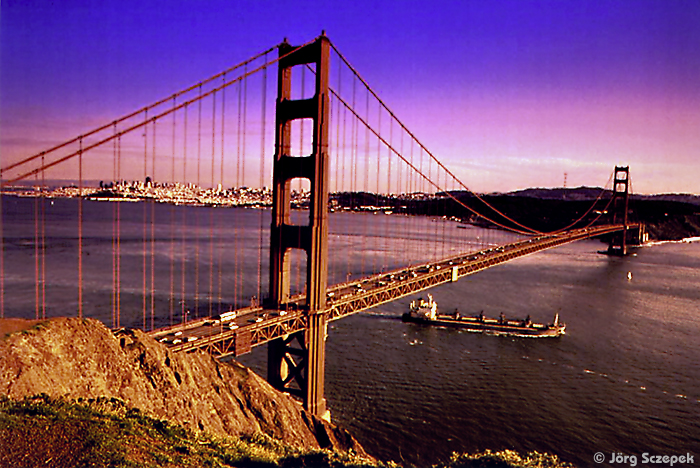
x: 668, y: 221
x: 685, y: 240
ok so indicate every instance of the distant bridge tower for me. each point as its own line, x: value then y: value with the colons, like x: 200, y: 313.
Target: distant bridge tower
x: 296, y: 362
x: 619, y: 208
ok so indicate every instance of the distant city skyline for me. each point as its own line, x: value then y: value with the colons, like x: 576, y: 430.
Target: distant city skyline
x: 509, y: 94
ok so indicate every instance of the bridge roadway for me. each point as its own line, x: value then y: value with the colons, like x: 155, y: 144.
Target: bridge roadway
x: 242, y: 329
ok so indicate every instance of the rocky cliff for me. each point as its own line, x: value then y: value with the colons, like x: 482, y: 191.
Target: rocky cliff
x: 81, y: 358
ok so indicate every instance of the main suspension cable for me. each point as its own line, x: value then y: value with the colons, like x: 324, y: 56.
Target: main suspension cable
x: 527, y: 230
x: 134, y: 127
x: 432, y: 156
x: 137, y: 112
x: 427, y: 178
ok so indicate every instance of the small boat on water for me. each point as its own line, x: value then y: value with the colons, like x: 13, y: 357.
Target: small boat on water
x: 425, y: 312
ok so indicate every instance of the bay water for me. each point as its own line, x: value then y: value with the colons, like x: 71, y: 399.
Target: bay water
x: 624, y: 379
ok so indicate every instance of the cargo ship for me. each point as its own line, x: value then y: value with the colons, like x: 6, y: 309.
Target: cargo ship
x: 425, y: 312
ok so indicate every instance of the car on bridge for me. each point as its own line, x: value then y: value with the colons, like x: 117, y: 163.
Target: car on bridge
x: 226, y: 316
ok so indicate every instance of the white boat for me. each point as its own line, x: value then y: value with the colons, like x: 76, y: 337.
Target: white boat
x: 425, y: 312
x: 423, y: 309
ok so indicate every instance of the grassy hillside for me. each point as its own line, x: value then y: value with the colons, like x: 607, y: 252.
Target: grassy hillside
x: 45, y: 431
x: 54, y: 432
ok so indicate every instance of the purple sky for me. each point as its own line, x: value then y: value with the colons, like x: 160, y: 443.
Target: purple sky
x: 507, y: 94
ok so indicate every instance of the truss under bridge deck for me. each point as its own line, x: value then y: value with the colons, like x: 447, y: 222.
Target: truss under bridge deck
x: 253, y: 326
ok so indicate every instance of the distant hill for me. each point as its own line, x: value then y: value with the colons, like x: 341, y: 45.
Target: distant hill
x: 591, y: 193
x: 675, y: 197
x: 580, y: 193
x: 666, y: 217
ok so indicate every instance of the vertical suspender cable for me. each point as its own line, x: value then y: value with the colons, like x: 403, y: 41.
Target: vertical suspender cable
x: 118, y: 240
x: 198, y: 188
x: 379, y: 171
x: 411, y: 192
x: 404, y: 190
x: 43, y: 242
x: 244, y: 124
x: 236, y: 231
x: 399, y: 168
x: 80, y: 229
x: 387, y: 234
x: 443, y: 217
x: 338, y: 187
x: 36, y: 253
x: 114, y: 233
x: 346, y: 190
x: 212, y: 208
x: 337, y: 248
x: 152, y: 202
x: 245, y: 121
x: 353, y: 144
x: 171, y: 301
x: 353, y: 162
x: 424, y: 202
x: 262, y: 175
x: 144, y: 300
x: 221, y: 178
x: 366, y: 179
x: 331, y: 189
x: 183, y: 228
x: 436, y: 209
x: 2, y: 257
x: 245, y: 153
x: 239, y: 134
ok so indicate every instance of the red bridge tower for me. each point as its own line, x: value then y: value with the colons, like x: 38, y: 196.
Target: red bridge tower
x: 296, y: 362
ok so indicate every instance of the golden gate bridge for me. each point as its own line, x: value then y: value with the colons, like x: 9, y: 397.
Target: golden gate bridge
x: 336, y: 147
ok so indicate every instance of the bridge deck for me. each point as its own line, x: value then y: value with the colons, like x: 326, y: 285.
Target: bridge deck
x: 253, y: 326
